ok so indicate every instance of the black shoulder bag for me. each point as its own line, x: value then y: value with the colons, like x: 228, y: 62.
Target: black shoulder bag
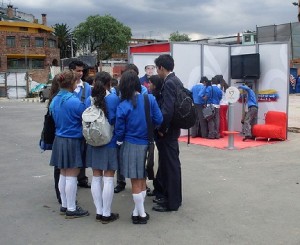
x: 150, y: 151
x: 209, y: 111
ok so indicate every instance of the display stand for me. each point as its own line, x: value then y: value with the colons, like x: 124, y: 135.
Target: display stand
x: 232, y: 95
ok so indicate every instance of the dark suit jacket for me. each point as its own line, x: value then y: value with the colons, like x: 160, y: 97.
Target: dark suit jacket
x: 166, y: 103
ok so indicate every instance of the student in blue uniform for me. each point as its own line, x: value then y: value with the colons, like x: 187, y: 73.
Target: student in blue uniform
x: 251, y: 115
x: 83, y: 92
x: 103, y: 159
x: 131, y: 129
x: 121, y: 183
x: 67, y: 149
x: 213, y: 96
x: 200, y: 127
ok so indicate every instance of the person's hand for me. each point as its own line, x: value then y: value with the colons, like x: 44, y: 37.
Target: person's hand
x: 160, y: 134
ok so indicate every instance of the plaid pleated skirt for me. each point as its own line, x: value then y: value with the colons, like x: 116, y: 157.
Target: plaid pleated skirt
x: 102, y: 157
x: 132, y: 160
x: 67, y: 153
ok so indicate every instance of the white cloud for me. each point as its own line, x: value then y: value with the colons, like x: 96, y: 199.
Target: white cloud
x: 158, y: 18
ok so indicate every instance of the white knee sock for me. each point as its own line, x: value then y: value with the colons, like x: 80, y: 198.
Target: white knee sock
x: 107, y: 195
x: 62, y: 190
x: 96, y: 189
x: 139, y: 204
x: 71, y: 190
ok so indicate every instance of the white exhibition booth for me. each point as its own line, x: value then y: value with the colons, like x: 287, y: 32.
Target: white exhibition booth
x: 194, y: 60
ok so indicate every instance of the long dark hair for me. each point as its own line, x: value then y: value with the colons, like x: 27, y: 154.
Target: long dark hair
x: 54, y: 89
x: 128, y: 86
x: 157, y: 82
x: 101, y: 84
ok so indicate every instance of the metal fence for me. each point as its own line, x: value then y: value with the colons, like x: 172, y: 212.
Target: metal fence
x: 289, y: 32
x: 13, y: 85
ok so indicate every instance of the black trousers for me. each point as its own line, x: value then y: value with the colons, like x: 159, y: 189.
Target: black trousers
x: 168, y: 178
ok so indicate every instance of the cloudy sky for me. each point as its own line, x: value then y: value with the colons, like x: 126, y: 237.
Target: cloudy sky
x: 159, y: 18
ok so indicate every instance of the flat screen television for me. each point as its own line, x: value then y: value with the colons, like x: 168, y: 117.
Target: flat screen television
x: 246, y: 66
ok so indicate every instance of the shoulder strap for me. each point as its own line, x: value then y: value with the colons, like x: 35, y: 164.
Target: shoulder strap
x: 148, y: 120
x: 83, y: 92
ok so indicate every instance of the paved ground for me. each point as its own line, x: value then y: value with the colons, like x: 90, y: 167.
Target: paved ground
x: 294, y: 111
x: 249, y: 196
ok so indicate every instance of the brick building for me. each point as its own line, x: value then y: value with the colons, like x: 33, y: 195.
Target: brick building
x: 26, y: 45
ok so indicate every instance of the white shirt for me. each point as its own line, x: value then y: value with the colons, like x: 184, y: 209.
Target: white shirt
x: 79, y: 86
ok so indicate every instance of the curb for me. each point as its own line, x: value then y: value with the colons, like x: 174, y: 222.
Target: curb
x: 294, y: 129
x: 33, y: 100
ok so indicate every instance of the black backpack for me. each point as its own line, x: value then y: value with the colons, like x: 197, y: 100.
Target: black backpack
x: 184, y: 112
x: 48, y: 132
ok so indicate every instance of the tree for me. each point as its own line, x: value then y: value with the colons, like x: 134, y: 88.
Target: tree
x: 103, y: 34
x: 177, y: 37
x: 65, y: 40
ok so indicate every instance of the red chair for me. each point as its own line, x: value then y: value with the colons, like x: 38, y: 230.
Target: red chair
x: 275, y: 126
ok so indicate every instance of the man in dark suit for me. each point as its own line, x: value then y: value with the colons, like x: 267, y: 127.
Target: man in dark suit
x: 168, y: 179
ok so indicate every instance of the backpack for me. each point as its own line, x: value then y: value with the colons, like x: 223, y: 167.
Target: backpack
x: 95, y: 127
x: 48, y: 132
x: 184, y: 112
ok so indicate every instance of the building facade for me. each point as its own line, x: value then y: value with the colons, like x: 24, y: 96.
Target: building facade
x: 26, y: 45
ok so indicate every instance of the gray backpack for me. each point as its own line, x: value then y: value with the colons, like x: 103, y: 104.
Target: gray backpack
x: 95, y: 127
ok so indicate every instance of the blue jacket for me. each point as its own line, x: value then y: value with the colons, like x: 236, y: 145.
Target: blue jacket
x: 131, y: 125
x: 67, y: 110
x: 251, y: 100
x: 213, y: 95
x: 197, y: 91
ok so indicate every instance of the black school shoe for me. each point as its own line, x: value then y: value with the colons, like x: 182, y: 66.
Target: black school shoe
x: 113, y: 217
x: 119, y: 188
x: 78, y: 213
x: 62, y: 210
x: 140, y: 220
x: 84, y: 184
x: 99, y: 217
x: 160, y: 201
x: 162, y: 208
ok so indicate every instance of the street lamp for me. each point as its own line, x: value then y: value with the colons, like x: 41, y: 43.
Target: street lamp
x: 297, y: 4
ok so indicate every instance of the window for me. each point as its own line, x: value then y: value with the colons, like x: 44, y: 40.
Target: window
x: 39, y: 42
x: 16, y: 64
x: 25, y: 41
x: 10, y: 41
x: 247, y: 38
x: 23, y: 28
x: 42, y: 31
x: 51, y: 43
x: 37, y: 64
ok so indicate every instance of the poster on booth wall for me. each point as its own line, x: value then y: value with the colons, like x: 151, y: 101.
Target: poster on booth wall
x: 273, y: 85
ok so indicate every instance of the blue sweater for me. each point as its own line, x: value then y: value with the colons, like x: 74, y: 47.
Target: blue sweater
x: 251, y: 100
x: 213, y: 95
x: 131, y: 125
x: 197, y: 91
x: 66, y: 110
